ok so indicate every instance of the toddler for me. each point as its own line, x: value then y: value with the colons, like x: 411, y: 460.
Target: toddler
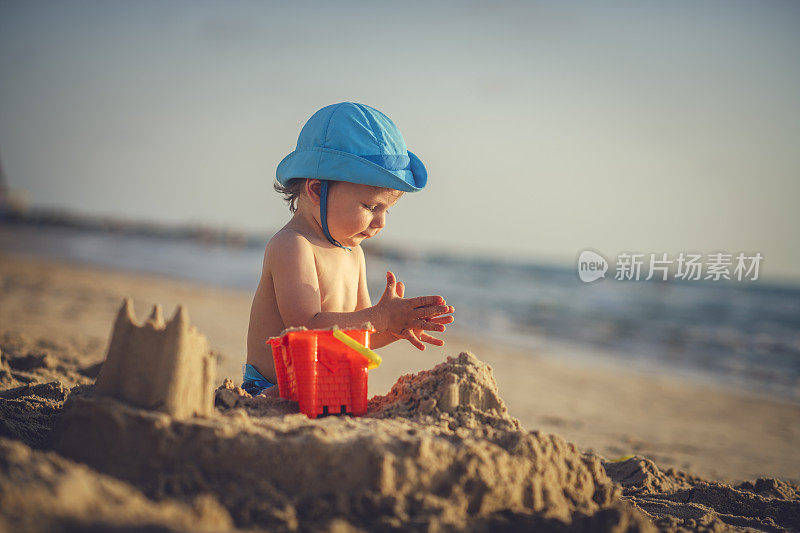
x: 350, y: 166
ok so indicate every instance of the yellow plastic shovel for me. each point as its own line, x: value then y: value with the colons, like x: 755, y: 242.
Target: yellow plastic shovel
x: 373, y: 358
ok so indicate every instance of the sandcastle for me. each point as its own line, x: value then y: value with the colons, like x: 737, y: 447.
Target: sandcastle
x: 159, y: 366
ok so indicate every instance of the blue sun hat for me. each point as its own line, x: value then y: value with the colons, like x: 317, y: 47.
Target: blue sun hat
x: 356, y: 143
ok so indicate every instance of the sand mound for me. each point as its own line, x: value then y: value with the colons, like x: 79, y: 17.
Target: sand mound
x: 26, y: 361
x: 42, y: 491
x: 639, y: 475
x: 678, y: 501
x: 771, y: 488
x: 461, y: 392
x: 382, y: 471
x: 229, y: 396
x: 30, y: 402
x: 29, y: 413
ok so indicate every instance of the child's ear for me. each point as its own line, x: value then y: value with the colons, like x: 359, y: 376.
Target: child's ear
x: 313, y: 190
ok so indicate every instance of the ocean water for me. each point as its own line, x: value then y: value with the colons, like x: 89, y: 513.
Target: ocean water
x: 740, y: 334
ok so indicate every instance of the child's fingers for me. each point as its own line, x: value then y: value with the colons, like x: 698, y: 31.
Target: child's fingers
x: 422, y: 301
x: 442, y: 309
x: 389, y: 291
x: 431, y: 310
x: 400, y: 289
x: 391, y: 281
x: 412, y: 338
x: 431, y: 340
x: 427, y: 325
x: 446, y: 319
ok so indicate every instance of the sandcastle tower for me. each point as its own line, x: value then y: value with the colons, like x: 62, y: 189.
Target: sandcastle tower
x: 159, y: 366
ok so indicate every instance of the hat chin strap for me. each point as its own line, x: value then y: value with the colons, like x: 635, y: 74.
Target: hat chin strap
x: 323, y: 215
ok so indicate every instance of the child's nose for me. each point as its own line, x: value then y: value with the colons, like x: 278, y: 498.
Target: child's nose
x: 379, y: 221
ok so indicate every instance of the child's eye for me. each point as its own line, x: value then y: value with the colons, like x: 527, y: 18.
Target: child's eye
x: 370, y: 207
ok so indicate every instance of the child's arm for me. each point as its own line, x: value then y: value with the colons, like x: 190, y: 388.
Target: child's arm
x: 379, y: 339
x: 294, y: 277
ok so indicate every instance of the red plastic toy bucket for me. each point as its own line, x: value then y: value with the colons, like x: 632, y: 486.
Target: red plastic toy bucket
x: 320, y: 373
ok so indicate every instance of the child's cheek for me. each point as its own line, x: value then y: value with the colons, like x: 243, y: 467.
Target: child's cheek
x: 362, y: 220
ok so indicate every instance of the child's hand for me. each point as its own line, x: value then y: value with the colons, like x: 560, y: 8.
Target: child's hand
x: 418, y: 333
x: 408, y: 319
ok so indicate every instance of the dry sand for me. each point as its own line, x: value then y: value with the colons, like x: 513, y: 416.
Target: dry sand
x: 445, y: 448
x: 720, y: 434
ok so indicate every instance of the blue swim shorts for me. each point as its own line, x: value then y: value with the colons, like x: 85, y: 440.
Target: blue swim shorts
x: 253, y: 381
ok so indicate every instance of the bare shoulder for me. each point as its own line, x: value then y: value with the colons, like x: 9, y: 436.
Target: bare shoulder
x: 287, y: 243
x: 288, y: 237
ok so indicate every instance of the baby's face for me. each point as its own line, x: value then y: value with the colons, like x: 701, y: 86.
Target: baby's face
x: 357, y: 212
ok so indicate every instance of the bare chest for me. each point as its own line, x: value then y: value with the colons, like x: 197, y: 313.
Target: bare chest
x: 338, y: 281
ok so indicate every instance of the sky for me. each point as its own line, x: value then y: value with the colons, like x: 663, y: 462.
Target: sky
x: 546, y: 127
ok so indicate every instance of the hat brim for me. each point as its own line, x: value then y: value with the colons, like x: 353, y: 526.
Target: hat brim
x: 328, y: 164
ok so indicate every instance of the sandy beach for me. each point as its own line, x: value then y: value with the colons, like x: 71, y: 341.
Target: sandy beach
x: 690, y: 431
